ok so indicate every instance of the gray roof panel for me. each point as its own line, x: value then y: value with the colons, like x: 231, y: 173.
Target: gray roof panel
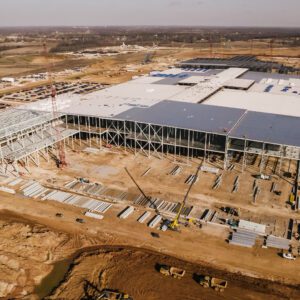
x: 269, y: 128
x: 207, y: 118
x: 236, y: 123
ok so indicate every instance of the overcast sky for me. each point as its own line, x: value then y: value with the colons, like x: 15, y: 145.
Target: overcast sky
x: 276, y: 13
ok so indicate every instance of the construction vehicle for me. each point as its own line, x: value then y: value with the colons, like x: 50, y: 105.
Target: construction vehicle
x: 292, y: 199
x: 112, y: 295
x: 175, y: 223
x: 79, y: 220
x: 289, y: 256
x: 217, y: 284
x: 172, y: 271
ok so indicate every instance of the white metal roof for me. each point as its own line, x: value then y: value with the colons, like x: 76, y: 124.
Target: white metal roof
x: 111, y: 101
x: 257, y: 101
x: 239, y: 83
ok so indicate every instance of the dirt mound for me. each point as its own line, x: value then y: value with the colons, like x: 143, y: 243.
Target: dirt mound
x: 135, y: 272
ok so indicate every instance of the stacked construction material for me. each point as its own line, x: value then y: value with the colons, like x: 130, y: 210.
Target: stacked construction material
x: 33, y: 189
x: 208, y: 215
x: 146, y: 172
x: 176, y: 170
x: 167, y: 207
x: 155, y: 221
x: 218, y: 182
x: 236, y: 184
x: 142, y: 201
x: 277, y: 242
x: 144, y: 217
x: 209, y: 169
x: 191, y: 179
x: 126, y: 212
x: 231, y: 167
x: 84, y: 202
x: 256, y: 193
x: 15, y: 181
x: 252, y: 226
x: 96, y: 189
x: 243, y: 237
x: 93, y: 215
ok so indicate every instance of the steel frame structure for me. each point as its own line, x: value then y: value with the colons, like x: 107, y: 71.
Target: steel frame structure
x: 152, y: 139
x: 25, y: 136
x: 30, y: 138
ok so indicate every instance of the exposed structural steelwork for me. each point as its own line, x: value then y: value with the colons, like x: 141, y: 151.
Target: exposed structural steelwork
x: 176, y: 112
x: 25, y: 136
x: 193, y: 130
x: 249, y: 62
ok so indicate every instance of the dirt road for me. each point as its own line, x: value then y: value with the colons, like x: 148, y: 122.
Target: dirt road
x: 135, y: 271
x: 33, y: 240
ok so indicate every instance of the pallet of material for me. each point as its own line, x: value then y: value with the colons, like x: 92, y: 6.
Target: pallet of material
x: 126, y: 212
x: 7, y: 190
x: 93, y: 215
x: 209, y: 169
x: 244, y: 238
x: 155, y: 221
x: 176, y: 170
x: 102, y: 207
x: 277, y: 242
x: 16, y: 182
x: 144, y: 217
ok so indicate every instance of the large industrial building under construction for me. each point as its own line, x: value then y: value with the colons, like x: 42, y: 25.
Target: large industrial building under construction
x: 186, y: 111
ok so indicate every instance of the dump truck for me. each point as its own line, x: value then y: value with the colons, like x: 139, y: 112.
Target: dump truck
x: 217, y: 284
x: 172, y: 271
x: 113, y: 295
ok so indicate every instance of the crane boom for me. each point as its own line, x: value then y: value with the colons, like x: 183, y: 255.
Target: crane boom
x: 174, y: 224
x: 61, y: 161
x: 142, y: 192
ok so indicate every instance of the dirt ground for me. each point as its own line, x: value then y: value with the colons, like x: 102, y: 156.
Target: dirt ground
x: 108, y: 167
x: 46, y: 257
x: 54, y: 241
x: 41, y: 255
x: 113, y: 69
x: 135, y: 271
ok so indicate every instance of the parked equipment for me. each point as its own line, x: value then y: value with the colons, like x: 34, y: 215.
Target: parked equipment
x: 113, y: 295
x: 217, y: 284
x: 175, y: 223
x: 172, y: 271
x: 79, y: 220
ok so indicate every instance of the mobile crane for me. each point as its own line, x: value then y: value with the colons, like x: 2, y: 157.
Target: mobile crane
x: 175, y: 223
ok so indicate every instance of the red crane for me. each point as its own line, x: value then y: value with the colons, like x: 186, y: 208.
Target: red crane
x: 61, y: 159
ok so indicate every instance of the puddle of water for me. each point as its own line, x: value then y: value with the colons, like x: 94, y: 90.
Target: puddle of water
x: 50, y: 282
